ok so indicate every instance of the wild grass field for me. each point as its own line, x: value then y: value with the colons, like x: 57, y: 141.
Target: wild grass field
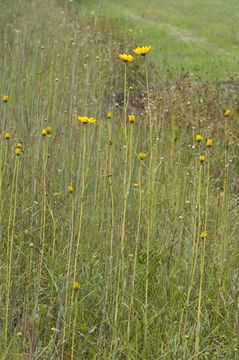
x: 119, y: 191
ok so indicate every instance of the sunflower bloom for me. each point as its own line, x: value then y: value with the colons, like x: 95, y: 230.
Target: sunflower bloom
x: 109, y: 115
x: 198, y: 138
x: 228, y: 112
x: 126, y: 57
x: 203, y: 235
x: 142, y: 50
x: 5, y: 98
x: 17, y: 151
x: 142, y: 156
x: 86, y: 120
x: 48, y: 130
x: 201, y: 158
x: 43, y: 132
x: 7, y: 136
x: 209, y: 142
x: 75, y: 285
x: 135, y: 184
x: 70, y: 189
x: 131, y: 119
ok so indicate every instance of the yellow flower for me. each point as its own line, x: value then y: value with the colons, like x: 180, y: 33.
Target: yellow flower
x: 202, y: 158
x: 142, y: 50
x: 43, y: 47
x: 203, y: 235
x: 5, y: 98
x: 142, y: 156
x: 198, y: 138
x: 97, y: 58
x: 87, y: 56
x: 75, y: 285
x: 131, y: 87
x: 7, y: 135
x: 116, y: 104
x: 109, y: 115
x: 136, y: 185
x: 126, y: 57
x: 48, y: 129
x: 17, y: 151
x: 19, y: 145
x: 228, y: 112
x: 70, y: 189
x: 131, y: 118
x: 209, y: 142
x: 86, y: 120
x: 43, y: 132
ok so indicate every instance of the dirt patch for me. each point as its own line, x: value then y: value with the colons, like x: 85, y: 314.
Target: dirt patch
x: 187, y: 35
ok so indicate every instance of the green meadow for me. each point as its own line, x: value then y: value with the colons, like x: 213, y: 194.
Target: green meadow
x: 119, y: 193
x: 199, y: 36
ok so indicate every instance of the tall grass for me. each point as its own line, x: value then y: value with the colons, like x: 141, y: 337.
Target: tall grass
x: 78, y: 205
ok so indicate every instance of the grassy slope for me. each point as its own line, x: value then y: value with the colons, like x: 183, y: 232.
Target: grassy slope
x: 201, y: 36
x: 50, y: 81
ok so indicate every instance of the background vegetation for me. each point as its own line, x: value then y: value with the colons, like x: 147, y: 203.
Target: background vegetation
x: 199, y: 36
x: 116, y: 267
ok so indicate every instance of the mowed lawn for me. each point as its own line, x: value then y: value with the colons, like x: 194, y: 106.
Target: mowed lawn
x: 200, y: 36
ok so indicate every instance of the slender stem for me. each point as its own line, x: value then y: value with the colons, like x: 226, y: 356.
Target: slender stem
x: 28, y: 291
x: 8, y: 286
x: 68, y: 275
x: 149, y: 200
x: 2, y: 170
x: 43, y: 228
x: 196, y: 235
x: 135, y: 252
x: 74, y: 325
x: 121, y: 264
x: 199, y: 300
x: 80, y: 220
